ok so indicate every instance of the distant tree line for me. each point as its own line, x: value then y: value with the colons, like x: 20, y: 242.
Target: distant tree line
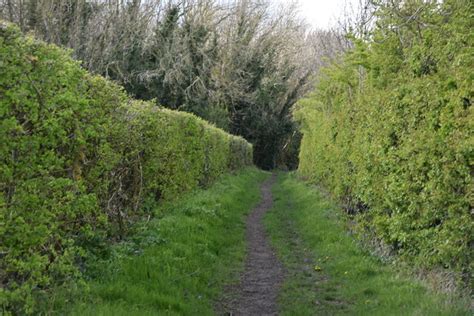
x: 239, y: 64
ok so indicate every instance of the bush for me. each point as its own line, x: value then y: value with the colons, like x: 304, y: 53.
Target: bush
x: 80, y: 161
x: 389, y: 131
x: 240, y: 153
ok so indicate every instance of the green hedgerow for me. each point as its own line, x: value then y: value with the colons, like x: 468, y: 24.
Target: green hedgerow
x: 389, y: 131
x: 79, y: 162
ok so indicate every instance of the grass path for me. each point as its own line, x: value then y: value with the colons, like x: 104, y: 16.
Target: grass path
x: 329, y: 273
x: 220, y: 251
x: 178, y: 263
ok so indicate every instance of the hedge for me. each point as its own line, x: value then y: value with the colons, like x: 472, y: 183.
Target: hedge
x: 80, y: 161
x: 389, y: 131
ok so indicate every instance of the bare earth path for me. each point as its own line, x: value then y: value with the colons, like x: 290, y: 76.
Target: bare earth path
x: 264, y: 273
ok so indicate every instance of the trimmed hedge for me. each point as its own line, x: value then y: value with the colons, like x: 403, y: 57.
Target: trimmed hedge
x: 80, y: 161
x: 389, y: 131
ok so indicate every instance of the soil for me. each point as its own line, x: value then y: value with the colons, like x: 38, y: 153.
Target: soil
x: 257, y: 292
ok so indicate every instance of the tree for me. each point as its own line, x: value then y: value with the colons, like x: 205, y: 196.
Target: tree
x: 239, y: 64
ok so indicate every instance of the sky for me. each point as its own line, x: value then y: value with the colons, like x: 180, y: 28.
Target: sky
x: 321, y: 13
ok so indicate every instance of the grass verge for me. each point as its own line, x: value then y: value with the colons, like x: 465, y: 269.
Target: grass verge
x: 177, y: 263
x: 328, y: 273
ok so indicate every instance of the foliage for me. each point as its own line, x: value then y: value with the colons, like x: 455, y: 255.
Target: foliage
x: 240, y: 65
x: 80, y: 161
x: 389, y: 132
x: 330, y: 274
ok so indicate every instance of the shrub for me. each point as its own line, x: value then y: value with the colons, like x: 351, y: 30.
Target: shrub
x: 389, y: 131
x: 80, y: 161
x: 240, y: 153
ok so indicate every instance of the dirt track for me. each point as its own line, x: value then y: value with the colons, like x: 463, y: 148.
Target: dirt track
x: 260, y: 282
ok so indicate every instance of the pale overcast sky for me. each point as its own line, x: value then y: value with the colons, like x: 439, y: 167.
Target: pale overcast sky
x: 321, y: 13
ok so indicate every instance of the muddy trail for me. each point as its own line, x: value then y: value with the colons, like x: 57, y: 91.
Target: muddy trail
x: 257, y: 292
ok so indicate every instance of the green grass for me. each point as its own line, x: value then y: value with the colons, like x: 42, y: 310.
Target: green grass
x: 177, y: 263
x: 328, y: 273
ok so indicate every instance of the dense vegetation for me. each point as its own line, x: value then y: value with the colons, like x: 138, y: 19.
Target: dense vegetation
x: 330, y: 274
x: 389, y: 131
x: 80, y: 161
x: 239, y: 64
